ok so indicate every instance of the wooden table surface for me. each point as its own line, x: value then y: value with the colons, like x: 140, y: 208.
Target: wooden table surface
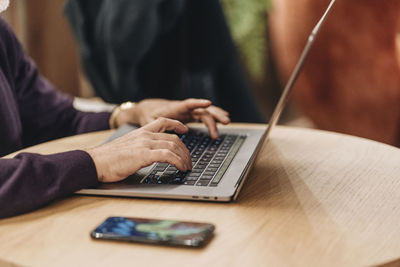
x: 313, y: 198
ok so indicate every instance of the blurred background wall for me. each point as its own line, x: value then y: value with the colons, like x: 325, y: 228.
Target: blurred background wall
x: 46, y: 37
x: 351, y: 80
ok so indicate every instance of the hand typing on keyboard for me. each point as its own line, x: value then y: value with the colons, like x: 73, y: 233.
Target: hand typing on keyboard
x: 189, y: 110
x: 124, y: 156
x: 210, y: 159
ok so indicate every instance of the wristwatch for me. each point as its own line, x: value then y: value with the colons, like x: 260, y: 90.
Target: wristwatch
x: 117, y: 111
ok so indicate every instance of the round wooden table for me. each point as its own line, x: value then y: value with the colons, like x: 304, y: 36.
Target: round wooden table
x: 313, y: 198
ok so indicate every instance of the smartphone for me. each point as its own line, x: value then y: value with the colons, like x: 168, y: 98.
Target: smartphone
x: 163, y: 232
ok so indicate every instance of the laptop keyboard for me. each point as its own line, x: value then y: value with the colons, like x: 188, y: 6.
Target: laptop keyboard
x: 210, y: 159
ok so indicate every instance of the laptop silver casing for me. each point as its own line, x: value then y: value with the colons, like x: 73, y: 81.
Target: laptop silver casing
x: 227, y: 190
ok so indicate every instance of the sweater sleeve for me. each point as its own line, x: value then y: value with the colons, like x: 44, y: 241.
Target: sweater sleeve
x: 45, y: 113
x: 30, y: 181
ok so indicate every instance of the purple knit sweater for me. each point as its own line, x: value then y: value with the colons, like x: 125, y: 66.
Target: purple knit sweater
x: 32, y: 112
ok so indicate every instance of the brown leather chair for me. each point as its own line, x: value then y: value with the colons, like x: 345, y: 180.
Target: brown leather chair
x: 351, y: 81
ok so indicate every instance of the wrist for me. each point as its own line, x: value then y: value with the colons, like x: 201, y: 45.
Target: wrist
x: 123, y: 114
x: 97, y: 163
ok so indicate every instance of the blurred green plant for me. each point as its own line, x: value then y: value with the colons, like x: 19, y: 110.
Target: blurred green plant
x: 248, y: 22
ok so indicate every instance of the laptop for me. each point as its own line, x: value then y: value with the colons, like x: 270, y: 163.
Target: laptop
x: 220, y: 167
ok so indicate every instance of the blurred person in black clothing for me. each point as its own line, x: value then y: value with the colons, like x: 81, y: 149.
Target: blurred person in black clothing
x: 172, y: 49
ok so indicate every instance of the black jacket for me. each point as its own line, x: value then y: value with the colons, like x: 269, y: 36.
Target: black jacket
x: 173, y: 49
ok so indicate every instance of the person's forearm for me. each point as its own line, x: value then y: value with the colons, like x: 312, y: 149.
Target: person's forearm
x: 89, y: 122
x: 351, y: 81
x: 30, y: 181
